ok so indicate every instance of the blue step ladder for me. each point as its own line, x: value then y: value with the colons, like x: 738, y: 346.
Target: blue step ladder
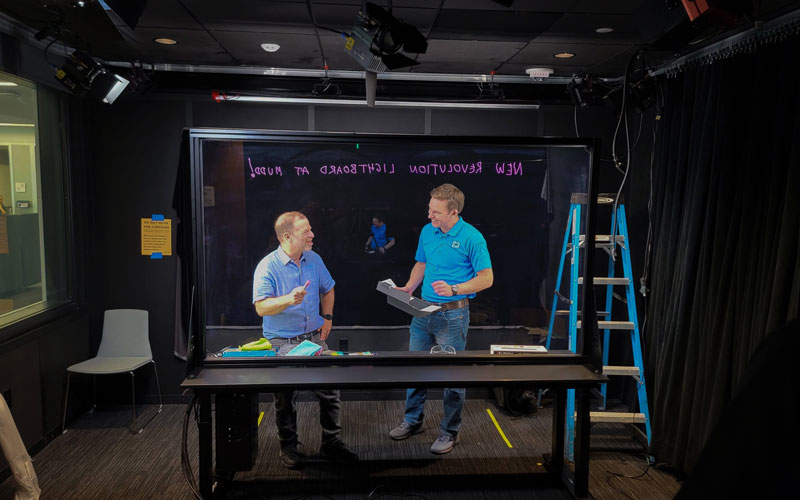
x: 574, y: 240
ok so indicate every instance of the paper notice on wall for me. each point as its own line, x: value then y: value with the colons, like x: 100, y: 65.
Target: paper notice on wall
x: 3, y: 234
x: 156, y: 236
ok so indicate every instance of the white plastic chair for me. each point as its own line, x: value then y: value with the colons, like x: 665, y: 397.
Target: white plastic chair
x: 125, y: 346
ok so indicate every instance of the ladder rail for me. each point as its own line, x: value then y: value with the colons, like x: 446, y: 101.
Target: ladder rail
x: 554, y: 305
x: 632, y: 316
x: 573, y: 319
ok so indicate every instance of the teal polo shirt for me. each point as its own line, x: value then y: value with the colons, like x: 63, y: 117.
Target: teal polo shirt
x: 455, y: 257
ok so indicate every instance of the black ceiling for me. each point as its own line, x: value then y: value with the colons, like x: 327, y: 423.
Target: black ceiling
x: 464, y: 36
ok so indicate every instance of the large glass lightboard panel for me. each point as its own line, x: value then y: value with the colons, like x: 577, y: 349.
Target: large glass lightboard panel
x: 517, y: 195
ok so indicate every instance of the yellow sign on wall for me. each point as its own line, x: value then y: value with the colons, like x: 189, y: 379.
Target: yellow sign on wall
x: 156, y: 237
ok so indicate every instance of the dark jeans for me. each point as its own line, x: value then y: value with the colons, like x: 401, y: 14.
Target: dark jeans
x: 286, y: 407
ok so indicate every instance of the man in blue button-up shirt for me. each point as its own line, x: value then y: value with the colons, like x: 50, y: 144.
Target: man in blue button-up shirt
x: 453, y: 264
x: 289, y: 285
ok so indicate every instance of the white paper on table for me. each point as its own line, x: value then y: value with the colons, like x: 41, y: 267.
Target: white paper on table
x: 389, y: 282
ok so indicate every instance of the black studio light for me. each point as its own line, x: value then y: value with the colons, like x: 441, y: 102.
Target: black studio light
x: 378, y: 40
x: 83, y: 76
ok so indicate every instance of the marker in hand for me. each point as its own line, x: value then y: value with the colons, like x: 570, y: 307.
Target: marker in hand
x: 299, y: 293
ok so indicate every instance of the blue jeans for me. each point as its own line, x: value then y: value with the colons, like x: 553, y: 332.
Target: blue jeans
x: 443, y: 328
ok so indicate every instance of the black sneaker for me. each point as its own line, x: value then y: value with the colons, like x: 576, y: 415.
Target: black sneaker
x: 290, y: 457
x: 337, y: 452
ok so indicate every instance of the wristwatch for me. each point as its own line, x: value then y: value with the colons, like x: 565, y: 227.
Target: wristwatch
x: 454, y: 289
x: 328, y: 316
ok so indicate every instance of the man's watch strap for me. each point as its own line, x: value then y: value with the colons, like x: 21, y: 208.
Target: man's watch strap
x: 454, y: 289
x: 328, y: 316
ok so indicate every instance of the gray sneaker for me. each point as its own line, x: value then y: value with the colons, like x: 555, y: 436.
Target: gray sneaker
x: 444, y: 444
x: 404, y: 430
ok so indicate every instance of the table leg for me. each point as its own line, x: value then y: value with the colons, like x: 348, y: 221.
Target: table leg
x: 582, y: 430
x: 204, y: 431
x: 559, y: 423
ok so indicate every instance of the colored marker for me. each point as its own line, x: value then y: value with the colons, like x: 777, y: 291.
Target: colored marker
x: 308, y: 282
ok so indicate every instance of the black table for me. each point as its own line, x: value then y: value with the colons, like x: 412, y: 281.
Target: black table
x: 559, y: 370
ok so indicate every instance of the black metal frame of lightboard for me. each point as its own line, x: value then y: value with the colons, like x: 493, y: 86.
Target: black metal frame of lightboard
x: 589, y: 352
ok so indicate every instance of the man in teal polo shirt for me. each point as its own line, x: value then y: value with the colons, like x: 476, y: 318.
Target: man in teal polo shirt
x: 453, y: 264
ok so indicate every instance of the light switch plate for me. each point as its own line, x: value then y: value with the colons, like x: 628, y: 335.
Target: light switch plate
x: 19, y: 187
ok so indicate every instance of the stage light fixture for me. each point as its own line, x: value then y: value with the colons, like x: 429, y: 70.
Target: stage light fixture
x: 378, y: 39
x: 82, y: 75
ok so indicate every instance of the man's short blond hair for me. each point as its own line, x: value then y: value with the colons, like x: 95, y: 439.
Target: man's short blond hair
x: 285, y: 222
x: 451, y: 194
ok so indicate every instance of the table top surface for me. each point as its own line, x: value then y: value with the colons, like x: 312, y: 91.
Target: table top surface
x: 363, y: 375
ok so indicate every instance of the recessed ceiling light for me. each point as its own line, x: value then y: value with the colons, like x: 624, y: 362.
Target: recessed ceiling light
x: 7, y: 84
x: 563, y: 55
x: 270, y: 47
x: 165, y: 41
x: 604, y: 30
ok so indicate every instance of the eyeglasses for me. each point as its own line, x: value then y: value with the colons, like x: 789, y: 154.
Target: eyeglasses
x: 443, y: 349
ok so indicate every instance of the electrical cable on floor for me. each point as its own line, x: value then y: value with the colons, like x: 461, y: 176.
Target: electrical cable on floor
x: 611, y: 475
x: 186, y: 466
x: 374, y: 494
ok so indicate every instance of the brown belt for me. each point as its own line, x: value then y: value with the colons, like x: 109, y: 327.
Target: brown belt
x: 457, y: 304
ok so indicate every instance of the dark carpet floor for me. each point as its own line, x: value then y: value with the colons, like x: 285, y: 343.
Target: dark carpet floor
x: 99, y: 459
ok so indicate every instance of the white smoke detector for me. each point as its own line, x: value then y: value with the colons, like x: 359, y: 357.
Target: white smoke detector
x: 539, y: 72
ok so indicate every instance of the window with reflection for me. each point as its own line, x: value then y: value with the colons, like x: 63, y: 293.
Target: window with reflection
x: 33, y: 241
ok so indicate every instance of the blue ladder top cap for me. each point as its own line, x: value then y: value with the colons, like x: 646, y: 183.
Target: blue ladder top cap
x: 158, y: 217
x: 156, y: 255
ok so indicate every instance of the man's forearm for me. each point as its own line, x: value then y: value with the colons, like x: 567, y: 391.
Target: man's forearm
x: 326, y: 301
x: 480, y: 282
x: 273, y: 305
x: 417, y: 274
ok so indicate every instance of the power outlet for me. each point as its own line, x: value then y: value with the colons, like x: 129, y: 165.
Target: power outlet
x: 7, y: 397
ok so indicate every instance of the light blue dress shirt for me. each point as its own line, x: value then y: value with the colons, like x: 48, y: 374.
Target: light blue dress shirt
x: 278, y: 275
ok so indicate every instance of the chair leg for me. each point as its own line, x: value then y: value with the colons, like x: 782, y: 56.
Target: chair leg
x: 158, y: 386
x: 66, y: 400
x: 94, y: 394
x: 133, y: 403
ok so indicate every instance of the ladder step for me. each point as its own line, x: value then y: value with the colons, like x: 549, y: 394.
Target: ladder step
x: 612, y: 325
x: 617, y: 417
x: 621, y: 370
x: 606, y: 281
x: 565, y: 312
x: 601, y: 240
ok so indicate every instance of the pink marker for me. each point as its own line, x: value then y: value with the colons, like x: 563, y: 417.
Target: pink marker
x: 308, y: 282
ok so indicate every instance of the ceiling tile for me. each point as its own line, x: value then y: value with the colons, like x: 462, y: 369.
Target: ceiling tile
x: 462, y: 24
x: 610, y: 6
x: 516, y: 6
x: 586, y: 55
x: 581, y: 28
x: 166, y: 14
x: 482, y: 56
x: 193, y: 47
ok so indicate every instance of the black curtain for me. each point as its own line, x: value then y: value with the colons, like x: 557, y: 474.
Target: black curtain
x: 725, y: 266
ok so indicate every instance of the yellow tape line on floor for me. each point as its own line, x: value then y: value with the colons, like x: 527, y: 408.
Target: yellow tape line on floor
x: 498, y: 427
